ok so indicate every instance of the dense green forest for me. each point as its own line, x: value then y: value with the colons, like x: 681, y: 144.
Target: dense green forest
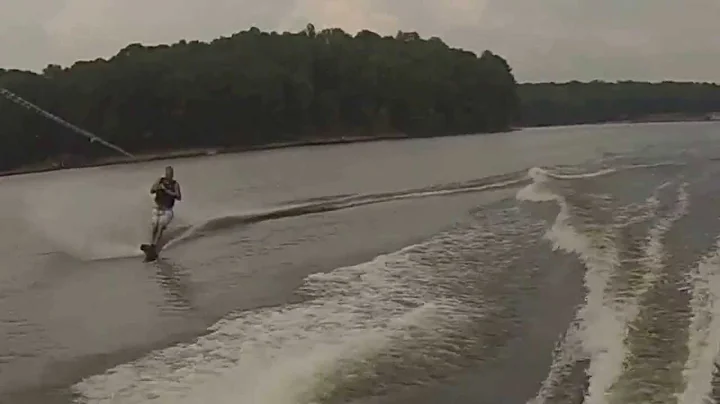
x: 254, y: 88
x: 597, y: 101
x: 257, y: 88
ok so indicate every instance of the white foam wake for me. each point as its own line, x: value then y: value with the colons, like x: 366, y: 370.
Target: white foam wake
x: 654, y: 255
x: 88, y: 221
x: 404, y: 318
x: 567, y: 353
x: 601, y: 329
x: 593, y: 174
x: 105, y: 215
x: 652, y: 266
x: 602, y: 320
x: 569, y: 350
x: 405, y: 311
x: 286, y: 355
x: 704, y: 339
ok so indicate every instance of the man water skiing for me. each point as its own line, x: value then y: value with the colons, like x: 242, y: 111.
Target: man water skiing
x: 166, y: 191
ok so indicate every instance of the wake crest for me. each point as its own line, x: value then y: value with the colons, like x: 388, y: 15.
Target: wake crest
x: 405, y: 318
x: 92, y: 222
x: 90, y: 225
x: 648, y: 330
x: 333, y: 203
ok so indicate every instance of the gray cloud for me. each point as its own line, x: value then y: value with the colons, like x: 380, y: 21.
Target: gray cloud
x: 542, y: 40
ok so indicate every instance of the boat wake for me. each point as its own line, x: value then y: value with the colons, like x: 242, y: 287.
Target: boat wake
x: 647, y: 332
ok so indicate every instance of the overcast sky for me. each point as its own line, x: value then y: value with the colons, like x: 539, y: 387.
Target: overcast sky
x: 542, y: 39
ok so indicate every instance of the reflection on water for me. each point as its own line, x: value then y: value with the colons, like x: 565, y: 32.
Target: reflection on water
x: 175, y: 282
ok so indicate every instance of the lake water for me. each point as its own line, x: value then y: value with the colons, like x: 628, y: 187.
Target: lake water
x: 556, y: 265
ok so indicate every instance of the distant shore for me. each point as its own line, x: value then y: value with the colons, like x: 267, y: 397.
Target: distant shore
x: 654, y: 118
x: 189, y: 153
x: 177, y: 154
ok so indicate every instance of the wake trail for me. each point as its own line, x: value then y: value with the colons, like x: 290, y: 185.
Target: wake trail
x: 646, y: 276
x: 329, y: 204
x: 704, y: 339
x: 326, y: 204
x: 652, y: 262
x: 599, y: 322
x: 406, y: 318
x: 88, y: 226
x: 599, y: 331
x: 91, y: 221
x: 564, y: 381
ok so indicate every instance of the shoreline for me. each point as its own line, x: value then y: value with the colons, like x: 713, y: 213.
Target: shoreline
x: 210, y: 151
x: 636, y: 121
x: 190, y: 153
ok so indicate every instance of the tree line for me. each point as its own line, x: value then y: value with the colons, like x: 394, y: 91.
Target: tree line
x: 545, y: 104
x: 256, y: 88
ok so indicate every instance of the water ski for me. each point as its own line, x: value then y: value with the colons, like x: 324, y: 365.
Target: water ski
x: 150, y: 252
